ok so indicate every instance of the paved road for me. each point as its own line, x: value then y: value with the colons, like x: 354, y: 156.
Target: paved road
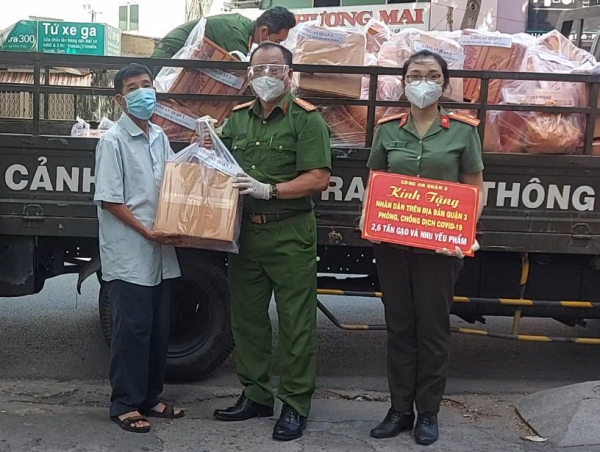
x: 56, y: 335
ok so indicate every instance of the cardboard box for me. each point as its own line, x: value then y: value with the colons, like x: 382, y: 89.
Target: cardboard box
x: 197, y: 202
x: 345, y: 130
x: 176, y: 116
x: 316, y: 45
x: 495, y: 53
x: 377, y: 33
x: 360, y: 114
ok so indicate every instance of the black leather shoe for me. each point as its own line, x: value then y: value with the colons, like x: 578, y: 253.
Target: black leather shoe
x: 243, y: 410
x: 290, y: 425
x: 394, y: 423
x: 426, y: 431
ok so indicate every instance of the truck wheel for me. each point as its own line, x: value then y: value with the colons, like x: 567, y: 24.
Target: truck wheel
x: 201, y: 338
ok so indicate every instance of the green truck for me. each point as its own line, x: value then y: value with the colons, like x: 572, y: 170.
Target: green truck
x: 540, y: 231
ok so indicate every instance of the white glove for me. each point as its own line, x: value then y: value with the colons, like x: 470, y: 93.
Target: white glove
x: 457, y: 251
x: 202, y: 133
x: 250, y: 186
x: 208, y: 118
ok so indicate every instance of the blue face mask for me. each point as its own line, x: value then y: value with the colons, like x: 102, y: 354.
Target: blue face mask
x: 141, y: 103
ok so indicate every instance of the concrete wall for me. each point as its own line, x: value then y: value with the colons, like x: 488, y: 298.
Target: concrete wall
x: 137, y: 46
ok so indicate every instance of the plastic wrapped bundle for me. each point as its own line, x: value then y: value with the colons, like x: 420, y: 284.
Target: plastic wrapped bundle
x: 389, y: 88
x: 346, y: 131
x: 492, y: 141
x: 539, y: 133
x: 177, y: 117
x: 487, y: 51
x: 536, y: 132
x: 557, y: 43
x: 540, y: 60
x: 312, y: 44
x: 542, y: 133
x: 197, y: 199
x: 395, y: 52
x: 377, y: 33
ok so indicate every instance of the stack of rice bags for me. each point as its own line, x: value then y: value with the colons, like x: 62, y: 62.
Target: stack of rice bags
x: 376, y: 45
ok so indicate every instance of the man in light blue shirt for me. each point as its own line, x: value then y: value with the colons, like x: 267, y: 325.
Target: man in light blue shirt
x: 137, y: 263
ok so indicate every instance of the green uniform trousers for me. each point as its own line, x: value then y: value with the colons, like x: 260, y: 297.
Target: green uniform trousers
x: 280, y: 258
x: 418, y: 290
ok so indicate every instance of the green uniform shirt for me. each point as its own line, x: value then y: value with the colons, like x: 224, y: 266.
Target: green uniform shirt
x: 229, y: 31
x: 449, y: 148
x: 278, y: 149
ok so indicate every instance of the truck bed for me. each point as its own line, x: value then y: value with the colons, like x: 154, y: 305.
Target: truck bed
x: 534, y: 203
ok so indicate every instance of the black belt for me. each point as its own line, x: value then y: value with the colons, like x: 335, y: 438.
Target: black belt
x: 261, y: 218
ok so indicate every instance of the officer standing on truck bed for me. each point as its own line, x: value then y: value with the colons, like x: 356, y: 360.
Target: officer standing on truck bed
x: 282, y: 144
x: 232, y: 32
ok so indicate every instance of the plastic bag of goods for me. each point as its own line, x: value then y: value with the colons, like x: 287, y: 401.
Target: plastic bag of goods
x: 197, y: 199
x: 557, y: 43
x: 178, y: 117
x: 389, y: 88
x: 103, y: 126
x: 80, y: 129
x: 377, y: 33
x: 490, y: 51
x: 538, y: 132
x: 345, y: 130
x: 312, y: 44
x: 492, y: 140
x: 407, y: 42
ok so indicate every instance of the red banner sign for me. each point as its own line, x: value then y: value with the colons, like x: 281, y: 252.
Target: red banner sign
x: 421, y: 213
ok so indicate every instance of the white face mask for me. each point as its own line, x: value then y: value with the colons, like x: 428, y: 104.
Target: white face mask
x: 423, y: 95
x: 268, y: 88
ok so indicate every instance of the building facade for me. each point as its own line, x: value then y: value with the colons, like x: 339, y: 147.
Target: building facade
x: 153, y: 18
x: 509, y: 16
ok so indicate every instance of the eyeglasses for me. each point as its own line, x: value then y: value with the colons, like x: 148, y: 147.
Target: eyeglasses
x: 275, y: 70
x: 431, y: 79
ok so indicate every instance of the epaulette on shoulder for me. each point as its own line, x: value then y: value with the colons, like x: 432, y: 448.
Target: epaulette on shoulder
x: 466, y: 119
x: 400, y: 116
x: 242, y: 106
x: 305, y: 105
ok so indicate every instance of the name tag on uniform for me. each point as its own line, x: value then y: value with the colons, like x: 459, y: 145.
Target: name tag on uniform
x: 399, y: 144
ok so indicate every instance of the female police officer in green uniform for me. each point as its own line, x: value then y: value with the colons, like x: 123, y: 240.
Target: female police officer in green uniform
x: 418, y: 285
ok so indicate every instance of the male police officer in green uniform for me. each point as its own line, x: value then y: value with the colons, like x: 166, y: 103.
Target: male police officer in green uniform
x: 282, y: 144
x: 232, y: 32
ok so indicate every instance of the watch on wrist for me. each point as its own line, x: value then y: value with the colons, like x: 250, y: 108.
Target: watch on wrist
x: 274, y: 192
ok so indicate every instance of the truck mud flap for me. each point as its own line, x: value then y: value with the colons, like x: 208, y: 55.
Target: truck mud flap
x: 17, y: 266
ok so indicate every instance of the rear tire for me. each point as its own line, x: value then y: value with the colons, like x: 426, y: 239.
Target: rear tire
x: 201, y: 338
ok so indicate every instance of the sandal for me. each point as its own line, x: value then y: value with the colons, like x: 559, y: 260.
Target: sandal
x: 167, y: 413
x: 127, y: 424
